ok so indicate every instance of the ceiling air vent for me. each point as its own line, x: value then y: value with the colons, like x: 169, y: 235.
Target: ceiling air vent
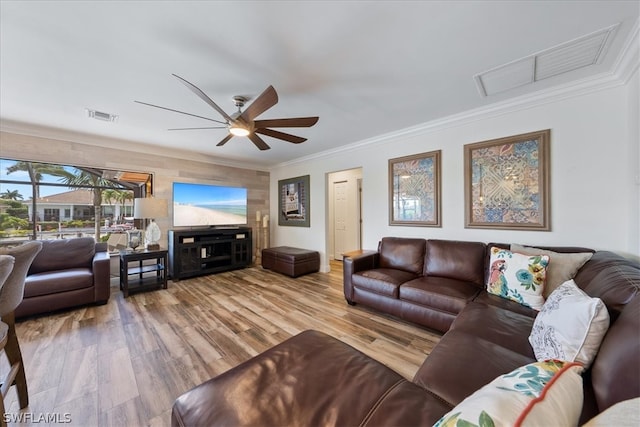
x: 569, y: 56
x: 99, y: 115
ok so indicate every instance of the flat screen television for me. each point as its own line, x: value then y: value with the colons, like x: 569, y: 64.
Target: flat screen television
x: 200, y: 205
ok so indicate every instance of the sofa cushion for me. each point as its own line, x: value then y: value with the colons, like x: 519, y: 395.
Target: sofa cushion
x: 570, y: 326
x: 616, y: 285
x: 485, y: 297
x: 402, y: 253
x: 461, y: 363
x: 517, y: 277
x: 308, y: 380
x: 506, y: 328
x: 456, y: 260
x: 538, y: 394
x: 57, y: 281
x: 600, y: 261
x: 383, y: 281
x: 62, y: 254
x: 615, y: 371
x: 562, y: 266
x: 406, y: 405
x: 441, y: 293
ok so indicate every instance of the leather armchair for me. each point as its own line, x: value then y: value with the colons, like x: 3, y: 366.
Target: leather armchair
x: 66, y: 273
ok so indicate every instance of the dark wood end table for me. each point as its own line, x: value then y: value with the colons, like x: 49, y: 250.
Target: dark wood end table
x: 142, y: 276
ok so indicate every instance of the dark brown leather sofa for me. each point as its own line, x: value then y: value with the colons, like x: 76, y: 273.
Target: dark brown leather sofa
x: 66, y: 273
x: 424, y: 281
x: 314, y: 379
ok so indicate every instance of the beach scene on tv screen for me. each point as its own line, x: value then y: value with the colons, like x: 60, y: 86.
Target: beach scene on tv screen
x: 201, y: 204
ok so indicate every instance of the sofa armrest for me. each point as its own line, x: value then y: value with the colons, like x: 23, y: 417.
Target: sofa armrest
x: 351, y: 265
x: 101, y: 267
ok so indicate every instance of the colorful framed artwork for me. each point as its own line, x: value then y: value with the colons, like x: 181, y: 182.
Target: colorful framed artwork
x: 414, y: 190
x: 293, y: 202
x: 507, y: 183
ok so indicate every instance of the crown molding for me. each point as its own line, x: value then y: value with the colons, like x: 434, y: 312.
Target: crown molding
x: 628, y: 61
x: 623, y: 69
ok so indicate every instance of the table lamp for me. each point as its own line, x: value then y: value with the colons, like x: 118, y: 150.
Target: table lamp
x: 150, y: 208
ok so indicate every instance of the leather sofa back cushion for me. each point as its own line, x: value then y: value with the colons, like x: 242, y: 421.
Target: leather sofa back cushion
x: 63, y: 254
x: 456, y: 260
x: 615, y: 371
x: 615, y: 285
x: 402, y: 253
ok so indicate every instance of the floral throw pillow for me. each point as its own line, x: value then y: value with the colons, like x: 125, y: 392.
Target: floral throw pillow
x: 562, y: 266
x: 518, y: 277
x: 570, y: 326
x: 541, y: 393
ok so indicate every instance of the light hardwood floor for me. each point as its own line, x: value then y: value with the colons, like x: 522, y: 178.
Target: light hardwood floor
x: 124, y: 363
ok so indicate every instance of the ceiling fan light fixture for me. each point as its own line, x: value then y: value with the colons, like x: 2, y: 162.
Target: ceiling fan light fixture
x: 238, y: 130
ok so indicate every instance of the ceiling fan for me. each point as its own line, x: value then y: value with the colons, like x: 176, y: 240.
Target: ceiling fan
x: 243, y: 123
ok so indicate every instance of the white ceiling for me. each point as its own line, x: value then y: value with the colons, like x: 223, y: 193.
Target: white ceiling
x: 365, y: 68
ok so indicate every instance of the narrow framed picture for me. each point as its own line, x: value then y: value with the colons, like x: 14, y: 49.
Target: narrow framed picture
x: 293, y: 202
x: 506, y: 183
x: 414, y: 190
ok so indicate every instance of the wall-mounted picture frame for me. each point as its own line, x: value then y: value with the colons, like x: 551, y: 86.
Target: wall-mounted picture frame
x: 293, y: 202
x: 414, y: 190
x: 507, y: 183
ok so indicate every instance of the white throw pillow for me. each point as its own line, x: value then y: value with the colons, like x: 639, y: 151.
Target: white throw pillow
x: 562, y: 266
x: 517, y: 277
x: 622, y: 414
x: 539, y: 394
x: 570, y: 326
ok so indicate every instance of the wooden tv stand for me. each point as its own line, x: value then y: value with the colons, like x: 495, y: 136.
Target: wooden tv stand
x: 198, y: 252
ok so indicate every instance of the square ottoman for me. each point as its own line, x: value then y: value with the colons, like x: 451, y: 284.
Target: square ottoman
x: 291, y: 261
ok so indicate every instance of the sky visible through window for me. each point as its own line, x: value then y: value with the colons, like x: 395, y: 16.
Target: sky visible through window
x: 25, y: 189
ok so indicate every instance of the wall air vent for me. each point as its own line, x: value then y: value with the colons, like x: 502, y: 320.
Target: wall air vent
x: 565, y: 57
x: 99, y: 115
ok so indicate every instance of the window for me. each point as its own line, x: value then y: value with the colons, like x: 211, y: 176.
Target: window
x: 48, y: 201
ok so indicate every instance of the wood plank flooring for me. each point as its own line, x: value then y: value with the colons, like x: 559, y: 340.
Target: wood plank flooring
x: 124, y: 363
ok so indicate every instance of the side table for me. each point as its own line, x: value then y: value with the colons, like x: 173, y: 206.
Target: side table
x: 143, y: 276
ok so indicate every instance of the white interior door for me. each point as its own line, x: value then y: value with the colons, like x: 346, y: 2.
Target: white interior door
x: 340, y: 217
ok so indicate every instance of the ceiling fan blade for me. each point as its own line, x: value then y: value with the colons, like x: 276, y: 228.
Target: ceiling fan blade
x: 208, y: 127
x: 258, y: 141
x: 181, y: 112
x: 294, y: 122
x: 224, y: 140
x: 204, y: 97
x: 263, y: 102
x: 281, y: 135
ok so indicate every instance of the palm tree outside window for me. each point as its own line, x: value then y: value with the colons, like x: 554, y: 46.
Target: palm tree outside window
x: 42, y: 200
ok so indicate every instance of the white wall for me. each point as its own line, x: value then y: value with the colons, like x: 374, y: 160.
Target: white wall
x: 634, y: 161
x: 594, y: 194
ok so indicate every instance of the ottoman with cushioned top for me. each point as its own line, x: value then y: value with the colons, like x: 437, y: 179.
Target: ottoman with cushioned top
x: 291, y: 261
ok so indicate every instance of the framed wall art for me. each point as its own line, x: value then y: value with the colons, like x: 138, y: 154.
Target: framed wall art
x: 507, y: 183
x: 414, y: 190
x: 293, y: 202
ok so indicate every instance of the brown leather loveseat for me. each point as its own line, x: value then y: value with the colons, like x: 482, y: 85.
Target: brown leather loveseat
x: 66, y: 273
x: 314, y: 379
x: 424, y: 281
